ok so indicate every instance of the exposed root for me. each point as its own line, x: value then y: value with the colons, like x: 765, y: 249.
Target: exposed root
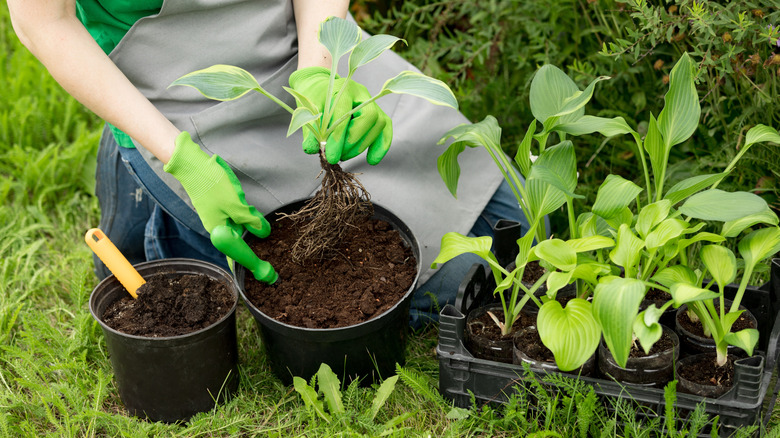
x: 335, y: 211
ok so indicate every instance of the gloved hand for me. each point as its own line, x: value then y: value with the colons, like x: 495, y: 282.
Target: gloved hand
x: 218, y: 199
x: 370, y: 128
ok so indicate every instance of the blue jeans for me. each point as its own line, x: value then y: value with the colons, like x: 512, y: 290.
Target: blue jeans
x: 149, y: 222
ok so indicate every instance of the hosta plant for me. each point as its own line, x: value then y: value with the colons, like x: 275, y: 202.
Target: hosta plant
x: 329, y: 216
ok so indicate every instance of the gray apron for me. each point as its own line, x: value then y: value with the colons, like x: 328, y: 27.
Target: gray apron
x: 250, y: 132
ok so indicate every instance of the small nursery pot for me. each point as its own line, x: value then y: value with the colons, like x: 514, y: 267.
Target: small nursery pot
x: 172, y: 378
x: 655, y: 370
x: 366, y: 351
x: 519, y: 357
x: 691, y: 343
x: 481, y: 345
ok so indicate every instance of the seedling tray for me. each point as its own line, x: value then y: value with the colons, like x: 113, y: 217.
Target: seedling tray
x: 749, y: 402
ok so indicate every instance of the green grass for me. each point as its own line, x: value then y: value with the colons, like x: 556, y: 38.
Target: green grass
x: 55, y: 374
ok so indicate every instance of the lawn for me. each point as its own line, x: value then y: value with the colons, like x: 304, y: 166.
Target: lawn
x: 55, y: 375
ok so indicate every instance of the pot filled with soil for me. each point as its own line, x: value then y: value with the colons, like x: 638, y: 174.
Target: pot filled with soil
x: 483, y: 337
x: 700, y: 375
x: 173, y: 349
x: 653, y: 369
x: 693, y: 340
x: 527, y: 348
x: 350, y: 310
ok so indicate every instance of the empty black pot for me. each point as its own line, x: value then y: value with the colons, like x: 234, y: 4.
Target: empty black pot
x: 172, y: 378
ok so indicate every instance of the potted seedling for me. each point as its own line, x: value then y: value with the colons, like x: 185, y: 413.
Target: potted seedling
x: 170, y: 331
x: 329, y: 219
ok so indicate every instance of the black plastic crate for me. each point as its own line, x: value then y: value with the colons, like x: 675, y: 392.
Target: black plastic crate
x: 749, y: 402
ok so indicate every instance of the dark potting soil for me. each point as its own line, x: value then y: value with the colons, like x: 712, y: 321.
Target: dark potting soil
x: 533, y: 272
x: 371, y: 273
x: 663, y: 344
x: 171, y: 305
x: 696, y: 328
x: 705, y: 371
x: 531, y: 344
x: 657, y: 297
x: 485, y: 327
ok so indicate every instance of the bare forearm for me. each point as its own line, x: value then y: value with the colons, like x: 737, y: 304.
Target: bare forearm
x: 308, y: 16
x: 51, y: 31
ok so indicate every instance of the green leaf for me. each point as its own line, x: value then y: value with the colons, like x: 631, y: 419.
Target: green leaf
x: 683, y: 293
x: 735, y: 227
x: 624, y: 217
x: 628, y: 248
x: 302, y: 100
x: 370, y: 49
x: 579, y: 99
x: 615, y: 194
x: 590, y: 243
x: 691, y: 185
x: 550, y: 88
x: 657, y: 151
x: 486, y: 134
x: 557, y: 166
x: 454, y: 244
x: 590, y: 124
x: 419, y: 85
x: 448, y: 167
x: 667, y: 230
x: 652, y: 215
x: 758, y: 245
x: 339, y: 36
x: 717, y: 205
x: 330, y: 387
x: 300, y: 117
x: 570, y: 333
x: 221, y: 82
x: 721, y: 263
x: 382, y: 394
x: 675, y: 274
x: 590, y: 271
x: 745, y: 339
x: 680, y: 116
x: 760, y: 133
x: 523, y: 155
x: 543, y: 198
x: 647, y: 333
x: 615, y: 306
x: 310, y: 399
x: 557, y: 252
x: 556, y: 281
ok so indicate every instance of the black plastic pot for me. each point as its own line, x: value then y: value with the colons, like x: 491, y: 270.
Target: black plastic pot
x: 483, y: 346
x: 172, y: 378
x: 367, y: 351
x: 519, y: 357
x: 746, y: 369
x: 655, y: 370
x: 692, y: 344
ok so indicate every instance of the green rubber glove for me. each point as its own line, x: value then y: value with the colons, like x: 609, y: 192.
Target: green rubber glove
x: 370, y: 128
x: 220, y: 202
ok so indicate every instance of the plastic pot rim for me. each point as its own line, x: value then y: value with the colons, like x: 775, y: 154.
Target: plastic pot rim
x: 231, y: 284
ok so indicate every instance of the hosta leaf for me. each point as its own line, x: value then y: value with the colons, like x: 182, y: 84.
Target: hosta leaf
x: 667, y: 230
x: 543, y: 198
x: 734, y: 228
x: 614, y: 194
x: 689, y: 186
x: 721, y: 263
x: 300, y: 117
x: 624, y: 217
x: 761, y: 133
x: 570, y: 333
x: 523, y: 155
x: 683, y: 293
x: 717, y: 205
x: 486, y: 134
x: 557, y: 166
x: 758, y: 245
x: 556, y: 281
x: 579, y: 99
x: 419, y: 85
x: 221, y: 82
x: 652, y: 215
x: 680, y: 116
x: 745, y: 339
x: 454, y: 244
x: 558, y: 253
x: 656, y: 150
x: 448, y: 167
x: 590, y: 271
x: 590, y: 124
x: 591, y: 243
x: 675, y: 274
x: 628, y: 248
x: 550, y: 88
x: 615, y: 306
x: 648, y: 333
x: 339, y: 36
x: 370, y: 49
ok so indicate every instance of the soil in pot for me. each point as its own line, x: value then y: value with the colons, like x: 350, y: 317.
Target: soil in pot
x: 483, y: 336
x: 700, y: 375
x: 528, y: 347
x: 370, y: 273
x: 653, y: 369
x: 659, y: 298
x: 692, y: 336
x: 171, y: 305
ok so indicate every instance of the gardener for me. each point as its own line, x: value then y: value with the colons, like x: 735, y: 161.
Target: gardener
x: 160, y: 187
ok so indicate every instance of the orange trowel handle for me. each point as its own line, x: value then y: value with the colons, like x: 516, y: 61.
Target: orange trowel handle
x: 114, y: 260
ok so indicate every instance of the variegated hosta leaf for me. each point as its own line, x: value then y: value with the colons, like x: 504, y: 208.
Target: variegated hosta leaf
x: 652, y: 215
x: 615, y: 306
x: 370, y: 49
x: 300, y: 117
x: 570, y: 333
x: 614, y: 194
x: 419, y: 85
x: 221, y: 82
x: 339, y: 36
x: 721, y: 263
x: 717, y: 205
